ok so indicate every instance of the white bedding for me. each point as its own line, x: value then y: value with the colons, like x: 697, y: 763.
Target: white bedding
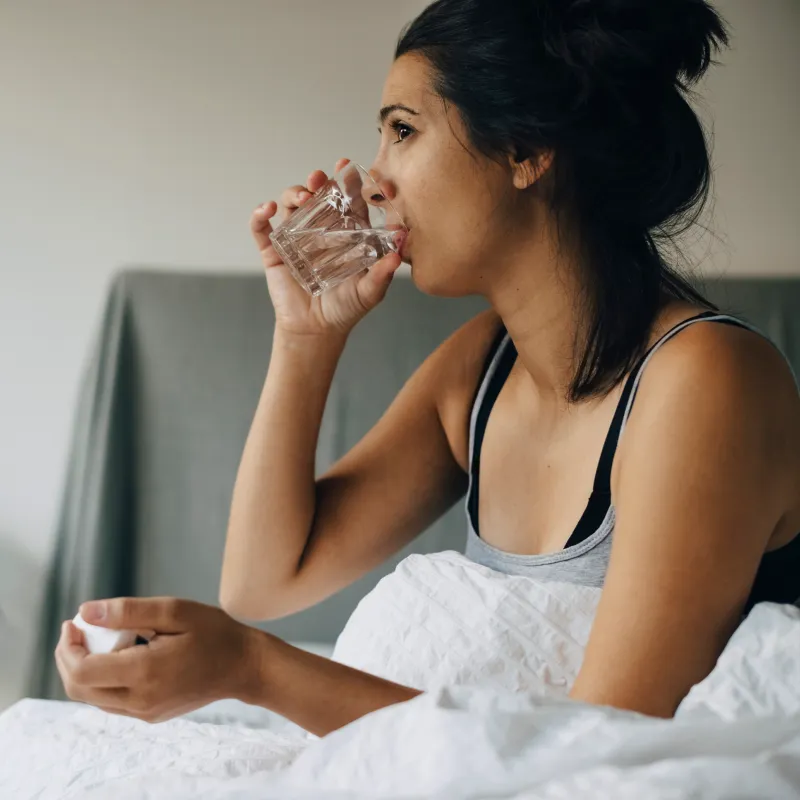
x: 496, y: 654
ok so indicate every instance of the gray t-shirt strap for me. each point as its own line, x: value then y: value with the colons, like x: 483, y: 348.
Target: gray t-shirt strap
x: 481, y: 395
x: 676, y: 330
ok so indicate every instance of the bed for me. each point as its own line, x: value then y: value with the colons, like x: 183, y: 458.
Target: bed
x: 164, y: 408
x: 495, y: 656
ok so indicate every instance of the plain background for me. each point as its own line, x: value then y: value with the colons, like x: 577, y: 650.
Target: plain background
x: 145, y: 132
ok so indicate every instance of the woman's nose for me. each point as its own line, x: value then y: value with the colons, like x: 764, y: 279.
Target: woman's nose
x: 380, y: 191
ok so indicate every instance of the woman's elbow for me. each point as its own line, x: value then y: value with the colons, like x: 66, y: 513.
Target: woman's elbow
x: 251, y: 606
x: 241, y: 608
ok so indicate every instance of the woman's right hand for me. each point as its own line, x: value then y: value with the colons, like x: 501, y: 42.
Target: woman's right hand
x: 336, y: 310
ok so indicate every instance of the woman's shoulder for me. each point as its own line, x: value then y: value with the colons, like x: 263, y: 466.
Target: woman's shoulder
x: 721, y: 357
x: 729, y: 378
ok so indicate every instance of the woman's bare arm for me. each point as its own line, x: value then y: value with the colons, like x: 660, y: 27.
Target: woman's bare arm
x: 708, y: 468
x: 293, y: 540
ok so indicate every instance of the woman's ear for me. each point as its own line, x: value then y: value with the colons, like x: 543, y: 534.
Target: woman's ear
x: 529, y: 170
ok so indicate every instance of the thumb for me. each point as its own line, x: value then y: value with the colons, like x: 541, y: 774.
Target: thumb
x: 160, y: 614
x: 372, y: 286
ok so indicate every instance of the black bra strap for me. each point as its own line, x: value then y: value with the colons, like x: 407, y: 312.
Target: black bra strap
x: 602, y: 478
x: 600, y: 499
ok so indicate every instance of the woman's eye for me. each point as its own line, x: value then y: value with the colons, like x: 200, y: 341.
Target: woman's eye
x: 399, y: 128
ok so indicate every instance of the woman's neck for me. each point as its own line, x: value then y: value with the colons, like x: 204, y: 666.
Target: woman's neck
x: 539, y: 296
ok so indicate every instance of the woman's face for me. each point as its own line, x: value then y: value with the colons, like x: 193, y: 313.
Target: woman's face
x: 461, y: 207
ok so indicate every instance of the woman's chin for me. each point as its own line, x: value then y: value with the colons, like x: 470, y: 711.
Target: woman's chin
x: 432, y: 282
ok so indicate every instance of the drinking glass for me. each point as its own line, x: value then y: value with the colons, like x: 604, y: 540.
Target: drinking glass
x: 342, y: 230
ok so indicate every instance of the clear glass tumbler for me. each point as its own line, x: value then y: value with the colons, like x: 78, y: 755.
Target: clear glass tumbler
x: 342, y: 230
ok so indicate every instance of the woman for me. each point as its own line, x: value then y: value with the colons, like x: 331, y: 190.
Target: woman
x: 542, y: 153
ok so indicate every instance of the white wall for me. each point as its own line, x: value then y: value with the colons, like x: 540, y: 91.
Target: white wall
x: 753, y: 102
x: 145, y: 132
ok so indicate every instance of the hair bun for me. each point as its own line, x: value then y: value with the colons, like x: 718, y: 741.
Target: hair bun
x: 672, y: 40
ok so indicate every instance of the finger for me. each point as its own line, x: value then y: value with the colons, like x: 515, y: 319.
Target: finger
x: 316, y: 180
x: 79, y: 667
x: 71, y: 642
x: 356, y: 189
x: 67, y: 654
x: 291, y: 199
x: 73, y: 635
x: 261, y: 228
x: 86, y: 677
x: 341, y: 164
x: 160, y: 614
x: 122, y: 712
x: 373, y: 285
x: 260, y: 224
x: 93, y: 696
x: 149, y: 717
x: 109, y: 670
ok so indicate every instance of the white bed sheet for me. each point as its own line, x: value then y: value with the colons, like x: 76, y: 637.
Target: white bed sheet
x: 501, y: 729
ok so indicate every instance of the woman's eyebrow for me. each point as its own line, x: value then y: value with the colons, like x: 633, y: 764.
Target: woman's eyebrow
x: 386, y: 110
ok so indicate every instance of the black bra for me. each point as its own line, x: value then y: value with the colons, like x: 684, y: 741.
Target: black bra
x: 778, y: 577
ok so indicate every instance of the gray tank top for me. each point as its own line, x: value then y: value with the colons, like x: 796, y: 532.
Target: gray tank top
x: 584, y: 560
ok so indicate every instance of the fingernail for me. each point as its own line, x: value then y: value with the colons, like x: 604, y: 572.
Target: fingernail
x: 93, y: 612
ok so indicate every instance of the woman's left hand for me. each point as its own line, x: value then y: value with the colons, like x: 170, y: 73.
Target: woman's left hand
x: 199, y: 654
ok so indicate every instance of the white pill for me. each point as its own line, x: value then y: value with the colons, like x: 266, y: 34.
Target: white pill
x: 106, y: 640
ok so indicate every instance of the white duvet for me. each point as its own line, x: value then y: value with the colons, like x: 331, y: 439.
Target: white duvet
x: 496, y: 655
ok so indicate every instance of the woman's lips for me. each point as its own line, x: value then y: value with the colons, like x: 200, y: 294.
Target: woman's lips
x: 402, y: 244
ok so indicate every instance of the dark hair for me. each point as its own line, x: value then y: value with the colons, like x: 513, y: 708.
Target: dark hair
x: 603, y: 84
